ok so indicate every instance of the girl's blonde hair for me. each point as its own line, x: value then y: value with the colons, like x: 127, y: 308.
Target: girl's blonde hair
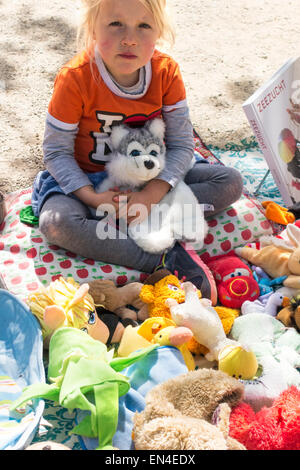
x: 90, y: 10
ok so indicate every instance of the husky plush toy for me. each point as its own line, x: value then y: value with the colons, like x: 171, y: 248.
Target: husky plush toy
x: 139, y: 156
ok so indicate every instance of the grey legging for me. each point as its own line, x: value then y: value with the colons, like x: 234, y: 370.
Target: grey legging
x: 68, y: 223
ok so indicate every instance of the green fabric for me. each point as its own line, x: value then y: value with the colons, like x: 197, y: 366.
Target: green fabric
x: 27, y: 216
x: 84, y: 376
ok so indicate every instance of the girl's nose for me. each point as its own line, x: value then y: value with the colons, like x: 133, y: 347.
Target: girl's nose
x: 129, y: 38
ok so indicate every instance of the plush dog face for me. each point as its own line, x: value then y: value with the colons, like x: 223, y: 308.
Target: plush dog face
x: 138, y: 154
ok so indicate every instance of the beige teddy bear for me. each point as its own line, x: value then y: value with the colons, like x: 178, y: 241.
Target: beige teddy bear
x: 189, y: 412
x: 104, y: 292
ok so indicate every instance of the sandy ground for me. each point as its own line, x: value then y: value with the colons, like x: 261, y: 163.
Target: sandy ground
x: 226, y: 49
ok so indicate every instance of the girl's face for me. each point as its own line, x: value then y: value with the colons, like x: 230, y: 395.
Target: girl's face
x: 126, y: 34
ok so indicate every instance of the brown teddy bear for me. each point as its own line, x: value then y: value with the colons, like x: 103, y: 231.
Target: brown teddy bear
x: 115, y: 299
x: 189, y: 412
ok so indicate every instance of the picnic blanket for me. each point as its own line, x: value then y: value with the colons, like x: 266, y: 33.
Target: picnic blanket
x: 29, y: 261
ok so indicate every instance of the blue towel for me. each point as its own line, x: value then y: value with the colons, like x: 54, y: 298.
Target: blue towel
x: 21, y: 364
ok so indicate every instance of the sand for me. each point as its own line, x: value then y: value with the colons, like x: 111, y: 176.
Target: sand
x: 226, y: 50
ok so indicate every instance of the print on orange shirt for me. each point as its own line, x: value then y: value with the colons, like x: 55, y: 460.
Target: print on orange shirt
x: 102, y: 147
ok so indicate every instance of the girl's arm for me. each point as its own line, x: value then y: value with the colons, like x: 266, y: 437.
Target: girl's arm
x: 179, y: 141
x: 58, y: 148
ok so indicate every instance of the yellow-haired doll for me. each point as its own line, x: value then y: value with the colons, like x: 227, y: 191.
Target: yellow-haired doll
x: 66, y: 303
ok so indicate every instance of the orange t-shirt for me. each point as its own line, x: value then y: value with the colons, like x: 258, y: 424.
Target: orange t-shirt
x: 82, y: 100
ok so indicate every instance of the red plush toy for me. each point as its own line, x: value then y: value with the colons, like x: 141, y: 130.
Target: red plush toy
x: 274, y: 428
x: 234, y: 280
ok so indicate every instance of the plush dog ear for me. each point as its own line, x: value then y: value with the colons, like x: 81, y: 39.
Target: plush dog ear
x: 117, y: 135
x: 156, y: 127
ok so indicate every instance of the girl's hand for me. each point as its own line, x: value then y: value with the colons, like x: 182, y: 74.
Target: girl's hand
x: 152, y: 193
x: 114, y: 202
x: 89, y: 197
x: 143, y: 202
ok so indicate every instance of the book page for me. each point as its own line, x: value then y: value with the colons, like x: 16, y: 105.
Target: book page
x: 276, y: 106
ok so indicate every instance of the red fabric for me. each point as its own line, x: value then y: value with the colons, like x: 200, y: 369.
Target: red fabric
x: 274, y: 428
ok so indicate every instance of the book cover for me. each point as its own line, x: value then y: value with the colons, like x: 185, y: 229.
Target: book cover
x: 273, y: 112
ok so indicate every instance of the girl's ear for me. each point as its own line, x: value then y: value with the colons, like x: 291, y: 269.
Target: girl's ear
x: 117, y: 135
x: 156, y: 127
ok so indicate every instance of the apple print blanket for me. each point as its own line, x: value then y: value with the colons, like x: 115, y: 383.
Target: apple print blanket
x: 28, y: 261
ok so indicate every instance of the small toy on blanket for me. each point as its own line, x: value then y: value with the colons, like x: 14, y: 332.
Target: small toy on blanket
x: 116, y: 299
x: 84, y: 375
x: 277, y: 257
x: 198, y: 315
x: 157, y: 330
x: 273, y: 428
x: 266, y: 284
x: 234, y: 280
x: 277, y: 213
x: 163, y: 285
x: 269, y: 305
x: 189, y: 412
x: 66, y: 303
x: 165, y: 332
x: 277, y: 350
x: 139, y: 156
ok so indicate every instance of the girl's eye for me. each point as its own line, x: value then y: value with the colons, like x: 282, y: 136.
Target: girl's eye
x: 153, y: 153
x: 84, y: 329
x: 145, y: 25
x: 135, y: 153
x: 115, y: 23
x: 92, y: 318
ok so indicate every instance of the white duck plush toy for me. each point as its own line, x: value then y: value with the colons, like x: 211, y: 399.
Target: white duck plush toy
x: 138, y: 156
x: 267, y: 306
x: 199, y: 316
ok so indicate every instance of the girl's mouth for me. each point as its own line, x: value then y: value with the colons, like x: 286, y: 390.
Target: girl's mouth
x: 128, y: 56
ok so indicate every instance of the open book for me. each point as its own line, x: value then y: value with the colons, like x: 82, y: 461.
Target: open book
x: 273, y: 112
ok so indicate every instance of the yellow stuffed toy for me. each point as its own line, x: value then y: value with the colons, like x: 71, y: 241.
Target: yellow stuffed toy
x: 165, y: 332
x: 163, y: 285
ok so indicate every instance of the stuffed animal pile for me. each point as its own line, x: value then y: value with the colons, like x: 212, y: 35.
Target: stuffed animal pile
x: 252, y: 337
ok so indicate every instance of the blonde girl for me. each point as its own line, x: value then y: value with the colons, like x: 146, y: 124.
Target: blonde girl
x: 121, y: 77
